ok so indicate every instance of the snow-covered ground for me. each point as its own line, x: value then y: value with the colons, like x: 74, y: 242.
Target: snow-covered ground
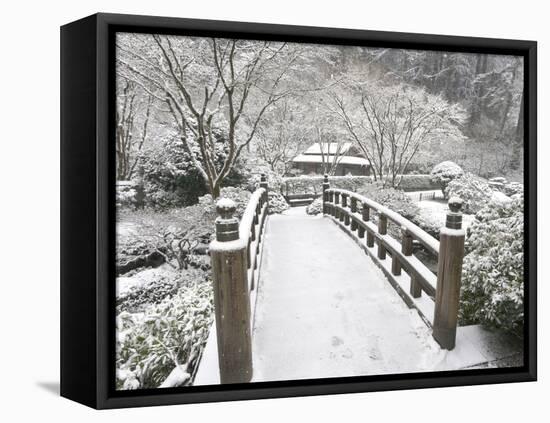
x: 325, y: 310
x: 295, y: 211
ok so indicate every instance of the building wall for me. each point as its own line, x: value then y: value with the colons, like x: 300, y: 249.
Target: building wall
x: 341, y: 169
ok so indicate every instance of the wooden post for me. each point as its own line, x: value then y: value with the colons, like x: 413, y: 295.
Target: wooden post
x: 231, y: 297
x: 382, y: 230
x: 407, y: 249
x: 395, y: 264
x: 366, y: 217
x: 326, y: 186
x: 342, y: 213
x: 449, y: 273
x: 353, y: 210
x: 361, y: 228
x: 345, y: 214
x: 263, y: 184
x: 336, y: 201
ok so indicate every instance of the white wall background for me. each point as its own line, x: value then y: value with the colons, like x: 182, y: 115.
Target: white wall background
x: 29, y: 206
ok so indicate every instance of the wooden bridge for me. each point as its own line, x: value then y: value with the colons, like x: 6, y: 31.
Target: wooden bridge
x: 337, y: 295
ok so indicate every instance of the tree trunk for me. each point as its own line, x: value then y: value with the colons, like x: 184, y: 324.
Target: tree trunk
x: 518, y: 139
x: 477, y: 106
x: 215, y: 191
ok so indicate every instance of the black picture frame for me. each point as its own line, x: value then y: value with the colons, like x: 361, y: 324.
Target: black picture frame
x: 88, y: 211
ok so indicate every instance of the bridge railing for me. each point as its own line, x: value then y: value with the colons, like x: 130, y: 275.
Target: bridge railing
x: 355, y: 214
x: 234, y: 257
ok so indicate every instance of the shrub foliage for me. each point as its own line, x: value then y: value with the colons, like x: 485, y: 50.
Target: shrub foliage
x: 492, y: 277
x: 168, y: 334
x: 445, y: 172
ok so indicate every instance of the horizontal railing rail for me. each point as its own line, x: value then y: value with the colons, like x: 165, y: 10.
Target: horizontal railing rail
x: 416, y: 232
x: 251, y: 230
x: 355, y: 214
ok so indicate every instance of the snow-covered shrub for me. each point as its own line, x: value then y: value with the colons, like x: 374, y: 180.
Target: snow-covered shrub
x: 395, y: 200
x: 497, y: 183
x: 166, y: 335
x: 513, y: 188
x: 143, y: 293
x: 171, y: 178
x: 492, y: 275
x: 503, y: 185
x: 239, y: 195
x: 126, y: 194
x: 314, y: 184
x: 428, y: 223
x: 251, y: 172
x: 474, y: 192
x: 316, y: 207
x: 392, y: 198
x: 445, y: 172
x: 277, y: 203
x: 142, y: 235
x: 416, y: 182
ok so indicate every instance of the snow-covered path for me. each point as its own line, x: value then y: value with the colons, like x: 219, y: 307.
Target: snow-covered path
x: 325, y: 310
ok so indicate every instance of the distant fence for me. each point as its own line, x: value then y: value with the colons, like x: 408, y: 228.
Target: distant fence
x: 304, y: 189
x: 425, y: 196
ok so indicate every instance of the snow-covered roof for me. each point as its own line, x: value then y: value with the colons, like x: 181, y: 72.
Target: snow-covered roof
x: 328, y: 147
x: 303, y: 158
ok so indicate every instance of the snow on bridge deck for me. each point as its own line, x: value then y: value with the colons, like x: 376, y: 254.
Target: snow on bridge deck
x: 325, y: 310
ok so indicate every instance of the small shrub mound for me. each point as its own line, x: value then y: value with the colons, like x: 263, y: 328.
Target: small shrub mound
x: 445, y: 172
x: 316, y: 207
x: 492, y: 276
x: 239, y: 195
x: 416, y: 182
x: 474, y: 192
x: 277, y: 203
x: 314, y: 184
x: 392, y: 198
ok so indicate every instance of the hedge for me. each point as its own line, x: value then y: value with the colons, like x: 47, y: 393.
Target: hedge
x: 314, y: 184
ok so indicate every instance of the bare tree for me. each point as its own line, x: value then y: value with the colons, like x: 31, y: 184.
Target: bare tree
x: 283, y: 135
x: 129, y: 138
x: 391, y: 124
x: 332, y: 151
x: 206, y: 85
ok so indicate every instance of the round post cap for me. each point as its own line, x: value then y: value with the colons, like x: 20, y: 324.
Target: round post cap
x: 454, y: 216
x: 455, y: 204
x: 226, y: 208
x: 227, y: 226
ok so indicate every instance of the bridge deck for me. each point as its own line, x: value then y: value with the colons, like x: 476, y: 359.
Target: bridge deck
x: 324, y: 309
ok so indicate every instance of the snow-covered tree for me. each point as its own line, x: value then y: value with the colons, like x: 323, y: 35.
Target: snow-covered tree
x: 132, y: 122
x: 207, y: 84
x: 391, y: 123
x: 283, y: 134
